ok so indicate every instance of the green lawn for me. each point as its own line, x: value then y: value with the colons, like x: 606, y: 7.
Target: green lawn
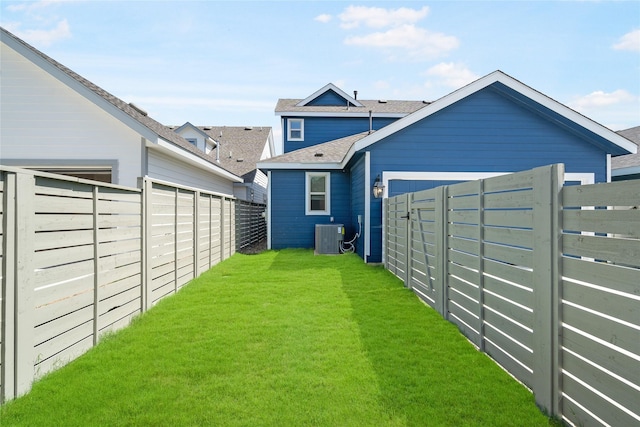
x: 282, y: 339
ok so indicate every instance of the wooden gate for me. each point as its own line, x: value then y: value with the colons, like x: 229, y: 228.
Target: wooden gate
x: 395, y: 241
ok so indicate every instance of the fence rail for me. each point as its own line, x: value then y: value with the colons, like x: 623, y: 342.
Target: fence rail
x: 543, y: 278
x: 80, y: 259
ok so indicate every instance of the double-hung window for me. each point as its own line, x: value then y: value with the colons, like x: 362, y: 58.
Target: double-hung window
x: 318, y: 197
x: 296, y: 129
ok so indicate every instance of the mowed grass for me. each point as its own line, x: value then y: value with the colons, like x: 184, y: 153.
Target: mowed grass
x: 282, y: 338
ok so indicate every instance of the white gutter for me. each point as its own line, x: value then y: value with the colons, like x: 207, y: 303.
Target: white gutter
x: 177, y: 152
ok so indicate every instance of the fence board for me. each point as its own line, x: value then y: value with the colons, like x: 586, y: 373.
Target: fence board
x: 610, y: 276
x: 512, y: 293
x: 514, y: 349
x: 622, y: 222
x: 508, y: 327
x: 603, y: 328
x: 509, y: 254
x: 607, y: 412
x: 618, y: 251
x: 63, y: 357
x: 511, y: 273
x: 523, y: 373
x: 621, y: 193
x: 602, y: 354
x: 509, y: 218
x: 509, y: 236
x: 622, y: 307
x: 59, y: 325
x: 511, y: 200
x: 515, y: 181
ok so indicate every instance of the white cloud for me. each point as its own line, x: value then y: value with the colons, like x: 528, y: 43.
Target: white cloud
x: 630, y: 41
x: 30, y: 6
x: 418, y: 43
x: 324, y: 18
x: 377, y: 17
x: 452, y: 74
x: 42, y: 38
x: 616, y: 110
x: 600, y: 98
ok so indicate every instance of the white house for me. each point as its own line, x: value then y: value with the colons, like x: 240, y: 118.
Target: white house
x: 54, y: 120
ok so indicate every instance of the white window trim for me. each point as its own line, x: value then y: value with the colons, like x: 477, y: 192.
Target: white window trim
x: 289, y: 137
x: 307, y: 193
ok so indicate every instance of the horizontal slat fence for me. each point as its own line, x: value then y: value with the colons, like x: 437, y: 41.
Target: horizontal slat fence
x: 80, y: 259
x: 251, y: 225
x: 543, y: 278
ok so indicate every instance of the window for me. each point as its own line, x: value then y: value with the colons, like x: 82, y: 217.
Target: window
x: 192, y: 141
x: 318, y: 197
x: 296, y: 129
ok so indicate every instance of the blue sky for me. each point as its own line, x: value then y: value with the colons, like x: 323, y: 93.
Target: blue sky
x: 228, y: 62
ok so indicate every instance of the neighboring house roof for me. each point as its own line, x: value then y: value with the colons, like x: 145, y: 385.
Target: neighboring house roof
x: 510, y: 87
x: 630, y: 163
x: 195, y: 128
x: 349, y: 107
x: 378, y: 108
x: 129, y: 114
x: 241, y: 148
x: 328, y: 88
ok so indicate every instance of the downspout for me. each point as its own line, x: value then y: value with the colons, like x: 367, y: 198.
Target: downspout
x: 370, y: 122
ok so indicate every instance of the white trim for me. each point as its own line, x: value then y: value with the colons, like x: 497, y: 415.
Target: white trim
x: 345, y: 113
x: 496, y: 76
x: 307, y: 193
x: 299, y: 165
x: 367, y: 206
x: 583, y: 178
x: 608, y: 167
x: 289, y: 138
x: 269, y: 209
x: 326, y: 88
x: 199, y: 162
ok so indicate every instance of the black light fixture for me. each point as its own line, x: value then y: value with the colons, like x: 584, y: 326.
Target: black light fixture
x: 378, y: 188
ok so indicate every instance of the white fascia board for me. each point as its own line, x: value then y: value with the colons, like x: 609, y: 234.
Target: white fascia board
x: 177, y: 152
x: 339, y: 114
x: 326, y: 88
x: 195, y: 128
x: 294, y: 166
x: 496, y: 76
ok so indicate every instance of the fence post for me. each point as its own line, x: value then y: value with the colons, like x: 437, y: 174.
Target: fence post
x: 547, y: 183
x: 147, y: 208
x: 385, y: 232
x: 96, y: 267
x: 19, y: 356
x: 441, y: 251
x: 196, y: 234
x: 408, y: 242
x: 480, y: 295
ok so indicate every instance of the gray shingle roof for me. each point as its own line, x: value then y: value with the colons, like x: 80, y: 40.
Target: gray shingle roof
x: 154, y: 126
x: 377, y: 107
x: 629, y: 160
x: 240, y: 147
x: 331, y: 152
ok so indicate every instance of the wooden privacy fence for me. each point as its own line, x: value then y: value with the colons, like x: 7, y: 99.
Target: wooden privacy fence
x: 543, y: 278
x: 79, y: 259
x: 251, y: 225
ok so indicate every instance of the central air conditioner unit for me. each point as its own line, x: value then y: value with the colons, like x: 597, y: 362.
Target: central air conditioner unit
x: 328, y: 238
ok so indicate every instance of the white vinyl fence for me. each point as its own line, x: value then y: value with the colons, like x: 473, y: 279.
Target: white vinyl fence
x: 543, y: 278
x: 80, y: 259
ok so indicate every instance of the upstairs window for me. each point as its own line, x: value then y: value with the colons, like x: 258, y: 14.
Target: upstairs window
x: 192, y: 141
x: 296, y: 129
x: 318, y: 197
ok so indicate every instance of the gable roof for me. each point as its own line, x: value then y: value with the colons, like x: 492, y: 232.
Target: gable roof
x: 128, y: 113
x: 561, y: 114
x: 195, y: 128
x: 630, y: 163
x: 241, y: 147
x: 327, y: 88
x: 351, y: 107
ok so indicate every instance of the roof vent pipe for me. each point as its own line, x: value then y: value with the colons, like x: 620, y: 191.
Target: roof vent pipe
x: 218, y: 146
x: 355, y: 95
x: 370, y: 122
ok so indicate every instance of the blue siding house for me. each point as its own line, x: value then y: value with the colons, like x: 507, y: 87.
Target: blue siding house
x: 493, y: 126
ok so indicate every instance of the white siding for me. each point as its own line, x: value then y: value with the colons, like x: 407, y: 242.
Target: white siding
x: 42, y: 118
x: 165, y: 168
x: 189, y: 133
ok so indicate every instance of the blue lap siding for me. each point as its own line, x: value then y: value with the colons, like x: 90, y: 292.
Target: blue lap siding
x: 290, y: 227
x: 323, y: 129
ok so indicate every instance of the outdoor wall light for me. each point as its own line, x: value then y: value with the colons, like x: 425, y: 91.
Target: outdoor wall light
x: 378, y: 188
